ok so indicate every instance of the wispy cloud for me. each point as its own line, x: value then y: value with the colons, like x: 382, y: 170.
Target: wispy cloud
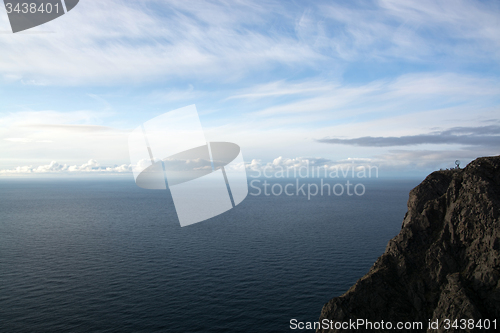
x: 284, y: 88
x: 175, y: 94
x: 314, y: 101
x: 66, y: 127
x: 104, y: 42
x: 413, y: 30
x: 26, y: 140
x: 108, y: 42
x: 37, y: 136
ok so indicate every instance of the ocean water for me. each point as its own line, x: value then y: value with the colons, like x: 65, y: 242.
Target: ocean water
x: 107, y: 256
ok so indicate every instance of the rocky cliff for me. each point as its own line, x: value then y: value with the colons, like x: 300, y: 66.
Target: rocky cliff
x: 445, y: 262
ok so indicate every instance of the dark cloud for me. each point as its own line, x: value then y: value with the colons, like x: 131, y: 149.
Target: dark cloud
x: 470, y: 136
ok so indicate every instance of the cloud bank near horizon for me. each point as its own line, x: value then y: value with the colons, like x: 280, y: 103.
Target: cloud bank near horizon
x: 278, y: 167
x: 92, y: 166
x: 485, y: 136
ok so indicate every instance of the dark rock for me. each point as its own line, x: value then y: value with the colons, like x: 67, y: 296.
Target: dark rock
x: 444, y: 263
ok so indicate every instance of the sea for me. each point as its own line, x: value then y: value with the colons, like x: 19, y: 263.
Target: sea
x: 102, y: 255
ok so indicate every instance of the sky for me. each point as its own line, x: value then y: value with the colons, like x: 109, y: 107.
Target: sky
x: 407, y: 86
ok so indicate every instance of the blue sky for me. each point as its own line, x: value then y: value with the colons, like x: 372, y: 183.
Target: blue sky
x: 301, y: 80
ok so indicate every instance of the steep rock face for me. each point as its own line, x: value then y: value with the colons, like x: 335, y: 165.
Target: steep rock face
x: 445, y: 262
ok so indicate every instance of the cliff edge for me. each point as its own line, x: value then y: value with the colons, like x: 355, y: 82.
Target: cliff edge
x: 444, y: 263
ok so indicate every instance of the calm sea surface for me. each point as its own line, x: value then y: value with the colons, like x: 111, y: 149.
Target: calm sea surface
x: 107, y: 256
